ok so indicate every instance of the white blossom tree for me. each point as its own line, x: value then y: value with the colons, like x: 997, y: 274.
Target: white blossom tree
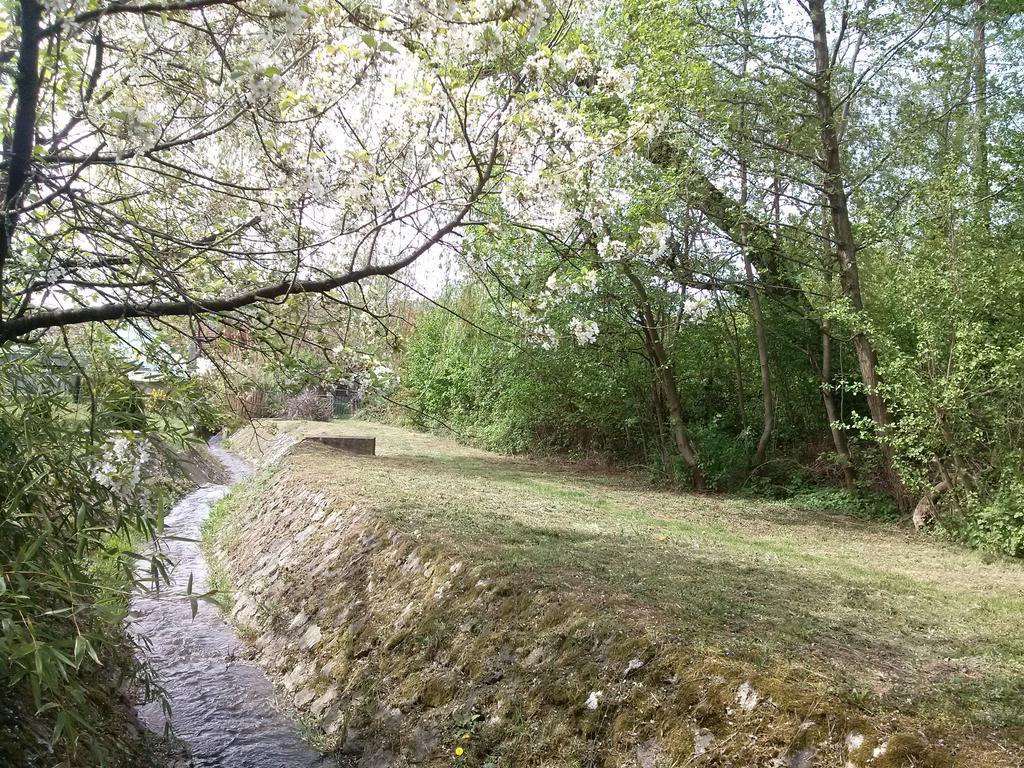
x: 184, y: 158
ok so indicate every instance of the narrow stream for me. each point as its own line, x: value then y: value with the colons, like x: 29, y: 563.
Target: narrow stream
x: 221, y: 705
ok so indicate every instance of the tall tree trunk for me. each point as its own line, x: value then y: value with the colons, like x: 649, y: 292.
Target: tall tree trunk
x: 761, y: 335
x: 737, y: 359
x: 842, y: 233
x: 23, y: 136
x: 658, y: 403
x: 666, y: 381
x: 982, y: 189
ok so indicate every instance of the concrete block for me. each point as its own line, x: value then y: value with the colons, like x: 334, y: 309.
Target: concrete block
x: 364, y: 446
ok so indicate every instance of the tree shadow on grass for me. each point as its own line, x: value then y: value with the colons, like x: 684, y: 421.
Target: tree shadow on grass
x: 707, y: 577
x: 838, y: 625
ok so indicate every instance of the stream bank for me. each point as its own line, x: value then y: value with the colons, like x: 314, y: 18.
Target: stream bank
x: 440, y: 606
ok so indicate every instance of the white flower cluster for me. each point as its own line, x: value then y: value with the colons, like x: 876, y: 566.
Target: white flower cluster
x: 143, y: 131
x: 576, y: 64
x: 587, y: 281
x: 647, y: 125
x: 616, y: 81
x: 489, y: 38
x: 579, y: 63
x: 536, y: 67
x: 360, y: 371
x: 535, y: 195
x: 594, y: 217
x: 655, y: 239
x: 120, y: 471
x: 585, y: 331
x: 494, y: 9
x: 312, y: 182
x: 533, y: 14
x: 536, y: 17
x: 262, y: 87
x: 544, y: 337
x: 611, y: 250
x: 294, y: 14
x: 556, y: 290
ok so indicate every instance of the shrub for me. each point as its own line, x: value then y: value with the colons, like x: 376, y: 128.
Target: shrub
x: 829, y: 499
x: 997, y: 526
x: 310, y: 405
x: 724, y: 457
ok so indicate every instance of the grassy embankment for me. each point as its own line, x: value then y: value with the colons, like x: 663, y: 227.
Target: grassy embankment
x: 860, y: 640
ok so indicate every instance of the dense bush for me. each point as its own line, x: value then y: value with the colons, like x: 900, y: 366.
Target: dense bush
x: 488, y: 384
x: 511, y: 398
x: 994, y: 523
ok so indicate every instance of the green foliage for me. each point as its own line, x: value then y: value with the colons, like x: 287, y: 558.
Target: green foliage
x: 724, y: 454
x: 84, y: 482
x: 469, y: 367
x: 483, y: 382
x: 999, y: 525
x: 838, y: 500
x: 996, y: 524
x: 197, y: 401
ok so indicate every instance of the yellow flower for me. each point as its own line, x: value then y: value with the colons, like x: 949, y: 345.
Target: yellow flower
x: 465, y: 737
x: 458, y: 750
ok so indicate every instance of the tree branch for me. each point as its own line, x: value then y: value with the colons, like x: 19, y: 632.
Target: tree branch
x: 188, y: 306
x: 24, y: 138
x: 141, y: 8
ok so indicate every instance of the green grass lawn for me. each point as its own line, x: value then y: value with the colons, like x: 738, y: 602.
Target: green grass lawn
x: 887, y: 619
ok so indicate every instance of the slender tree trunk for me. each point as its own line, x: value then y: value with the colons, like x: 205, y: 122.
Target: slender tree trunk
x: 667, y: 382
x: 980, y: 160
x: 842, y: 233
x: 737, y: 359
x: 658, y: 402
x: 832, y: 411
x: 767, y: 402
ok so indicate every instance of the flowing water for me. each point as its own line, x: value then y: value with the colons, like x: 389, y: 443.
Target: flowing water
x: 221, y: 705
